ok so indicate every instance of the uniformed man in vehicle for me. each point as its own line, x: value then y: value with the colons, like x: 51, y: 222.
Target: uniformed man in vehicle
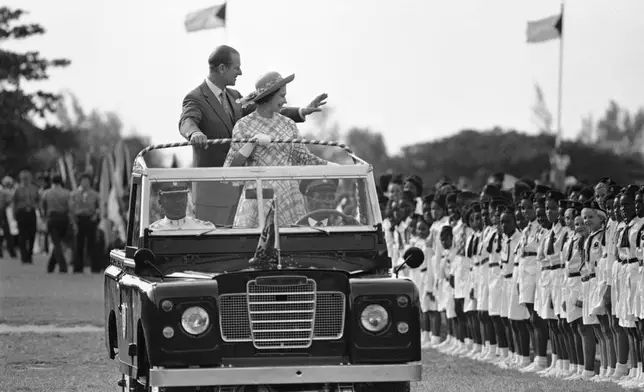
x: 173, y: 199
x: 320, y: 194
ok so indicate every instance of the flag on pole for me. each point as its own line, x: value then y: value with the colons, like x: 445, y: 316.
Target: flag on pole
x: 267, y: 254
x: 545, y: 29
x: 208, y: 18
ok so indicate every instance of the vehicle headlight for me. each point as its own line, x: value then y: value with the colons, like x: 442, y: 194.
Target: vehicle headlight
x: 374, y: 318
x: 195, y: 320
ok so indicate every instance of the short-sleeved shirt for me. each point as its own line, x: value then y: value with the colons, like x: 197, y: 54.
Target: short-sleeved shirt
x: 26, y: 197
x: 56, y: 200
x: 85, y: 202
x: 187, y: 223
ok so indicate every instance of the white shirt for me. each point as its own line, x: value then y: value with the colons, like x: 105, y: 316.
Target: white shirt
x: 217, y: 92
x: 187, y: 223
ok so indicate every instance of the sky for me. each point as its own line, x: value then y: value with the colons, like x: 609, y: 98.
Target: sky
x: 414, y: 70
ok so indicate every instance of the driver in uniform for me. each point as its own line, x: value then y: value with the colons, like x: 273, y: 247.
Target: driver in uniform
x: 173, y: 199
x: 320, y: 194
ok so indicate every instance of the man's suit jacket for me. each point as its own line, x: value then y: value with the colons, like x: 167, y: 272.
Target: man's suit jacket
x: 205, y: 110
x: 216, y: 202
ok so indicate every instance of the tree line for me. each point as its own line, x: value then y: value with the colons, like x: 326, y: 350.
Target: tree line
x: 611, y: 145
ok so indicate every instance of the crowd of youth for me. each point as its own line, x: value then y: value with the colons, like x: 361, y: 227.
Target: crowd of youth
x: 65, y: 215
x: 513, y: 270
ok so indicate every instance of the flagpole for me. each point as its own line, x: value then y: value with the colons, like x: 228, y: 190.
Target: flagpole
x: 277, y: 232
x: 560, y: 84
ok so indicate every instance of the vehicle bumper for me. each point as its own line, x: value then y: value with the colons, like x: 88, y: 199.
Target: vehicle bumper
x: 284, y: 375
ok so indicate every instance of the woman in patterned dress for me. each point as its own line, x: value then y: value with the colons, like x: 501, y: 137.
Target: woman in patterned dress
x: 262, y: 126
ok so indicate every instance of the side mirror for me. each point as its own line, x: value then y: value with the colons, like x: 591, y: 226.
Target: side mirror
x: 251, y: 194
x: 143, y: 258
x: 414, y: 257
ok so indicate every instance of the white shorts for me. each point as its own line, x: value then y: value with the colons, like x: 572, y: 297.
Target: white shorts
x: 543, y: 296
x: 557, y: 291
x: 589, y: 289
x: 482, y: 290
x: 572, y: 293
x: 528, y: 273
x: 495, y: 285
x: 626, y: 293
x: 516, y: 310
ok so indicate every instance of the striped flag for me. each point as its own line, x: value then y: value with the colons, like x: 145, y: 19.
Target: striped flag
x: 545, y: 29
x: 208, y: 18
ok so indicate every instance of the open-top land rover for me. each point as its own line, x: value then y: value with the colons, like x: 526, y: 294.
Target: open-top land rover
x: 224, y: 287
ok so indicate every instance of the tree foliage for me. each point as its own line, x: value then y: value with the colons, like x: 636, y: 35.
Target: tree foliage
x: 20, y: 138
x: 98, y: 133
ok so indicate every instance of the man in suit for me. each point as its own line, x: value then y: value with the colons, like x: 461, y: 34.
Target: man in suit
x: 210, y: 111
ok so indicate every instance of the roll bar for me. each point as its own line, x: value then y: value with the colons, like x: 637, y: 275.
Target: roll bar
x: 343, y: 146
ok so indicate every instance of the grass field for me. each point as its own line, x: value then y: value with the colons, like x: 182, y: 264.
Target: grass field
x: 69, y: 362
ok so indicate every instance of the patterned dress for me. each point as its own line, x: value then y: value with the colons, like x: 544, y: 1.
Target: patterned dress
x: 290, y: 202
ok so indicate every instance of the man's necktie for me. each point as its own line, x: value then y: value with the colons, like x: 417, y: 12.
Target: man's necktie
x: 226, y: 105
x: 509, y: 250
x: 551, y: 243
x: 625, y: 243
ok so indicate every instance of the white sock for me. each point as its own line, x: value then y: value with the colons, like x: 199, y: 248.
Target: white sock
x: 609, y: 371
x: 565, y: 365
x: 580, y: 369
x: 541, y: 361
x: 555, y: 360
x: 620, y: 369
x: 602, y: 372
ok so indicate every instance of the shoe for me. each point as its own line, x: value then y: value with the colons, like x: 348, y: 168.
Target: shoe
x: 573, y: 377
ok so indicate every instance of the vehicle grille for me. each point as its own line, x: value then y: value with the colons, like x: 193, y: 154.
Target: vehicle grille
x: 282, y: 316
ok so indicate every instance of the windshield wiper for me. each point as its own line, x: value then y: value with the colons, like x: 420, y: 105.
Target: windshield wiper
x: 213, y: 229
x: 318, y: 228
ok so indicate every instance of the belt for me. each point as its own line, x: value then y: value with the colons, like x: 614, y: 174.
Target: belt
x: 493, y: 265
x: 574, y: 274
x: 629, y: 261
x: 485, y: 260
x: 588, y: 277
x: 552, y: 267
x: 507, y: 276
x: 516, y: 264
x: 529, y: 254
x: 423, y: 270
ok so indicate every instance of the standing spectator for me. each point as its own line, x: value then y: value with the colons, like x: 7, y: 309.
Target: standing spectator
x: 26, y: 200
x: 6, y: 196
x: 85, y: 210
x: 55, y: 208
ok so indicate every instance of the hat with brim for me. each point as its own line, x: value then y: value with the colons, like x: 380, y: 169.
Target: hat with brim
x: 173, y: 187
x: 265, y: 86
x: 307, y: 186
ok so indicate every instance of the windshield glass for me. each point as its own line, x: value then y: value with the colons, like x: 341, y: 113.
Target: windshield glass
x: 223, y: 206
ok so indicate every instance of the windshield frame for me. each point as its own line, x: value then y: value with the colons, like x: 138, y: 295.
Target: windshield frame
x: 250, y: 173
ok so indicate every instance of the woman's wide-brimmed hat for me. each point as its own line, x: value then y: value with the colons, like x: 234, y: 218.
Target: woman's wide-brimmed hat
x: 266, y: 85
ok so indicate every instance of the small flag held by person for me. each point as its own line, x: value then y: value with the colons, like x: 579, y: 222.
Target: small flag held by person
x: 208, y: 18
x: 545, y: 29
x: 267, y: 254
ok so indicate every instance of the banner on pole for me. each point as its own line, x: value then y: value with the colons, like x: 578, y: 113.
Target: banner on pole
x: 208, y: 18
x: 545, y: 29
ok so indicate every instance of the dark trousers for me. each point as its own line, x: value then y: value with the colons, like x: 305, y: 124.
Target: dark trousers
x: 57, y: 227
x: 6, y: 236
x: 27, y: 234
x: 86, y: 236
